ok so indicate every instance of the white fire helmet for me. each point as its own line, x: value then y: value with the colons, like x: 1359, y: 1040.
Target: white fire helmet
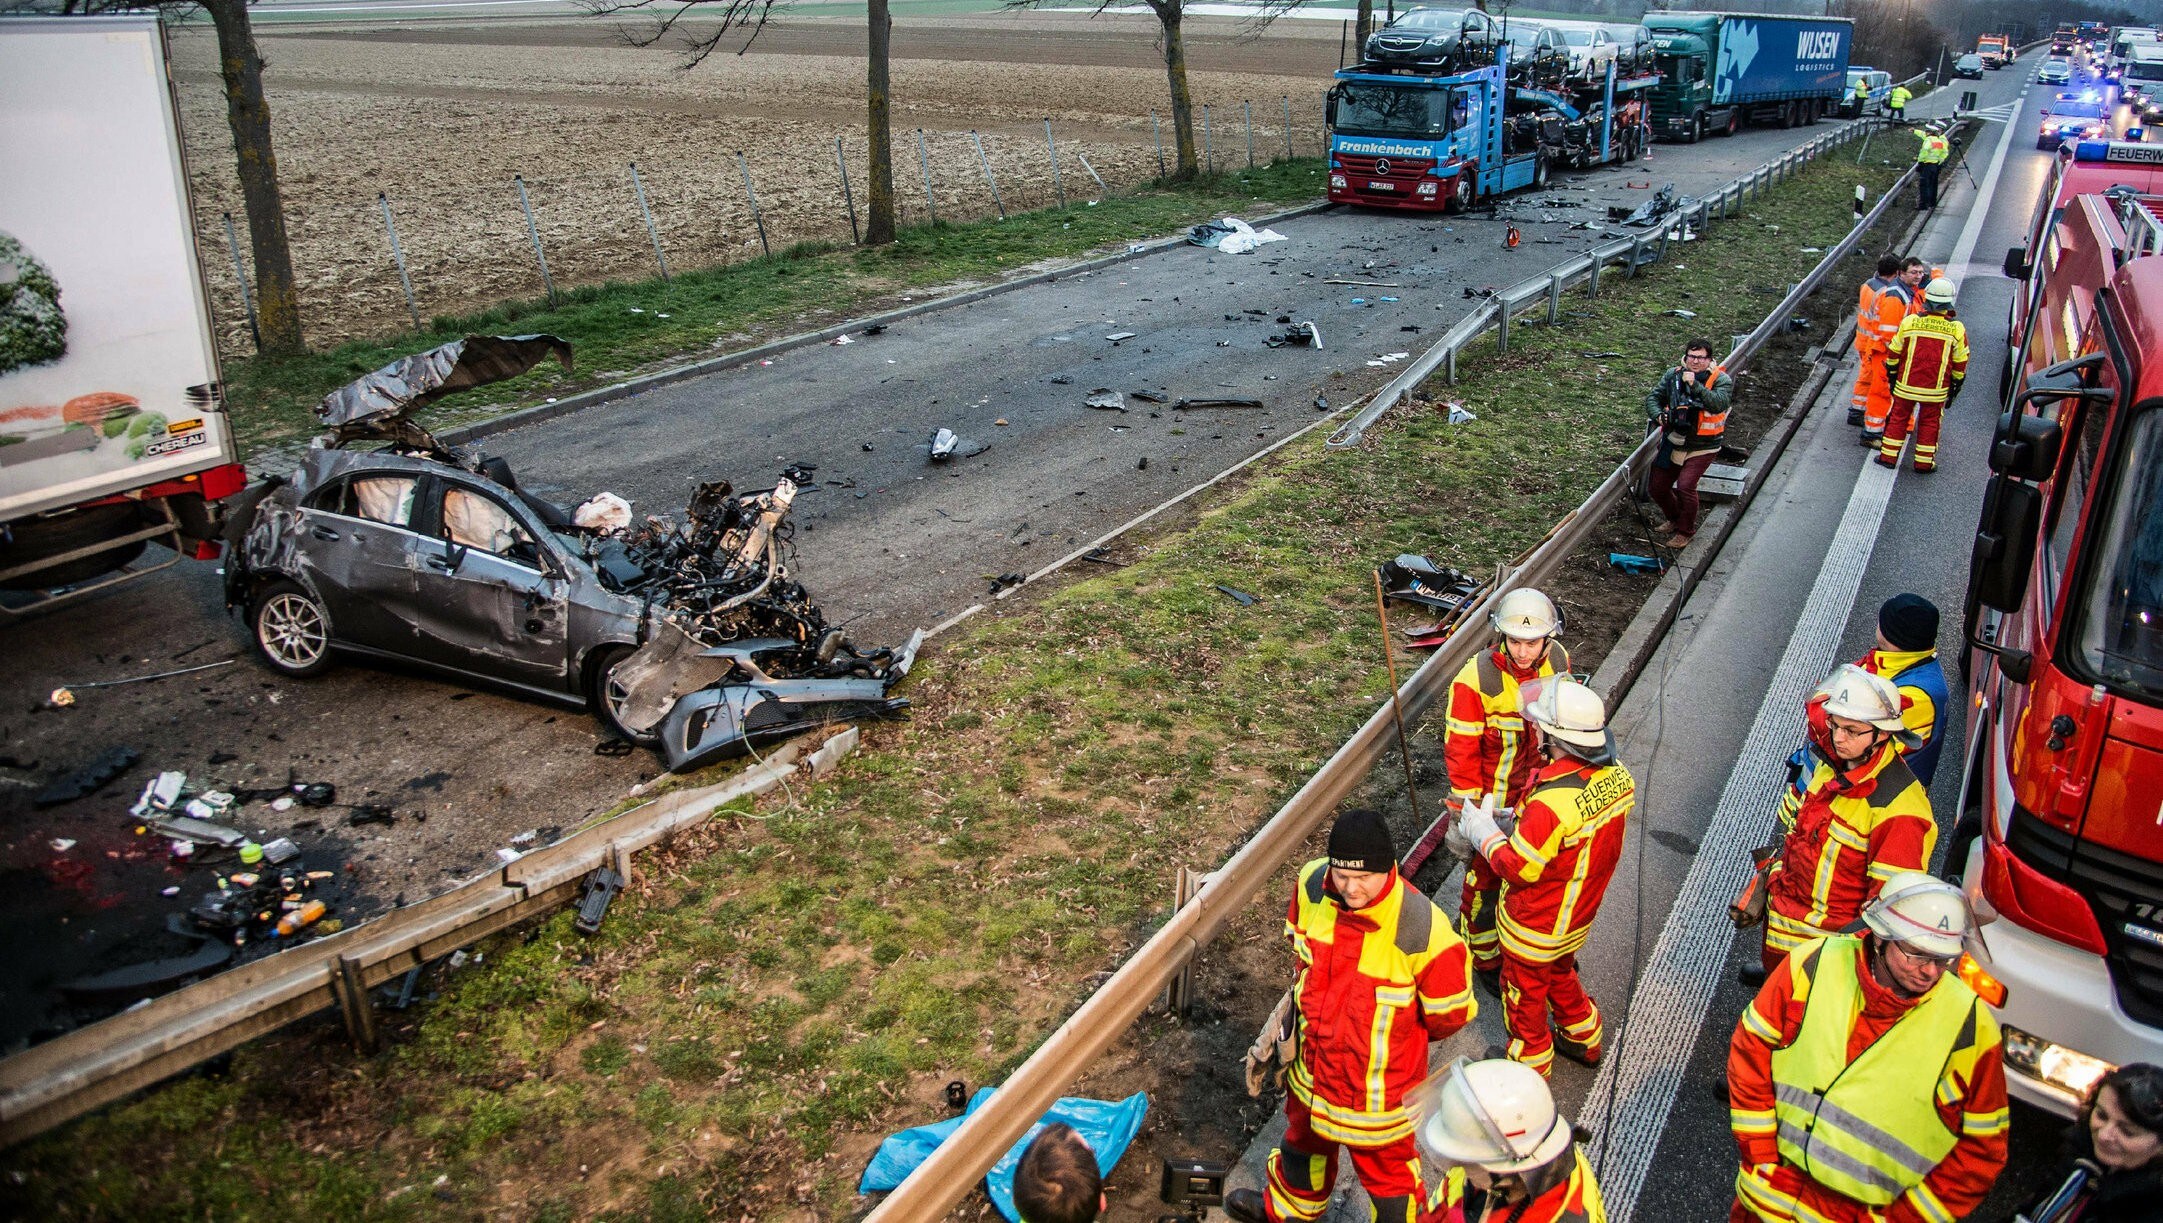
x: 1497, y: 1114
x: 1940, y: 292
x: 1927, y: 914
x: 1568, y: 711
x: 1526, y: 615
x: 1859, y: 696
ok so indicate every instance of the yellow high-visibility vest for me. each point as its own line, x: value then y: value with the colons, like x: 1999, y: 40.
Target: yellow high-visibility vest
x: 1935, y: 150
x: 1869, y: 1129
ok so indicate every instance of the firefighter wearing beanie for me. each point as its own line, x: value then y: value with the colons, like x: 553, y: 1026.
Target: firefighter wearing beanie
x: 1380, y: 975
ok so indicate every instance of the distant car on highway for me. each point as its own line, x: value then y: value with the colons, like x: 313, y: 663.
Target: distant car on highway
x: 1970, y: 66
x: 2073, y: 116
x: 1435, y: 38
x: 2054, y: 72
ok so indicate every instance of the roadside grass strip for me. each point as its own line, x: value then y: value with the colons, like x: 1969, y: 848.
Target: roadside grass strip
x: 622, y: 329
x: 792, y: 981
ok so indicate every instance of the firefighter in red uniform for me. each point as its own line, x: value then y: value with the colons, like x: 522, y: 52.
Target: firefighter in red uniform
x: 1494, y: 1125
x: 1381, y: 974
x: 1863, y: 819
x: 1490, y: 753
x: 1928, y: 362
x: 1866, y: 1081
x: 1555, y: 867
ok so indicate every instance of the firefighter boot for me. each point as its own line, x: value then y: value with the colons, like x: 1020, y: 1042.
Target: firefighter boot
x: 1246, y: 1206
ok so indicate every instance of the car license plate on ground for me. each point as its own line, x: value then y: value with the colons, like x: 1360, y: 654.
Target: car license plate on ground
x: 1381, y: 186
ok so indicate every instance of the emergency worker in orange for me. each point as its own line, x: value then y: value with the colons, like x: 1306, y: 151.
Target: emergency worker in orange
x: 1928, y: 362
x: 1891, y: 309
x: 1876, y: 322
x: 1689, y: 407
x: 1866, y: 1081
x: 1380, y: 975
x: 1555, y: 867
x: 1490, y: 752
x: 1864, y: 817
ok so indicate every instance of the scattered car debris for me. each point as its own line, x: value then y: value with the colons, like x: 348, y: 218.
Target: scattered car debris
x: 614, y: 747
x: 1387, y: 359
x: 280, y: 851
x: 1303, y: 333
x: 1679, y: 312
x: 61, y: 845
x: 1599, y: 356
x: 1102, y: 556
x: 1005, y: 580
x: 197, y: 831
x: 1106, y: 399
x: 65, y: 695
x: 601, y: 888
x: 87, y: 780
x: 133, y: 980
x: 946, y: 444
x: 1240, y: 597
x: 159, y: 794
x: 1321, y: 403
x: 1115, y: 337
x: 1231, y: 236
x: 364, y: 814
x: 603, y: 512
x: 1217, y: 403
x: 1365, y: 284
x: 1458, y: 414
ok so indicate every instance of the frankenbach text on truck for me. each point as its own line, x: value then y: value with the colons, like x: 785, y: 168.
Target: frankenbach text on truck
x: 113, y: 434
x: 2062, y: 793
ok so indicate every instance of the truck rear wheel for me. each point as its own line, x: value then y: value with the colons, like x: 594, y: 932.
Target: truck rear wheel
x: 34, y: 539
x: 1734, y: 122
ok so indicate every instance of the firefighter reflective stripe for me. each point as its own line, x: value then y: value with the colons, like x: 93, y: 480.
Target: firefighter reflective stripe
x: 1936, y: 149
x: 1821, y: 1098
x: 1710, y: 424
x: 1387, y: 1002
x: 1927, y: 355
x: 1928, y: 1206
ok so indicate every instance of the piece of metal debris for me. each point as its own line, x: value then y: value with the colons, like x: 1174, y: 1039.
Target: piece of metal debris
x: 201, y: 832
x: 601, y: 888
x: 1106, y: 399
x: 1302, y: 333
x: 87, y: 780
x: 1679, y: 312
x: 1217, y: 403
x: 1149, y: 396
x: 1117, y: 336
x: 946, y: 444
x: 1240, y: 597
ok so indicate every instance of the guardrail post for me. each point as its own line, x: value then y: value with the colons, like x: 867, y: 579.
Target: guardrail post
x: 1449, y: 363
x: 1592, y: 281
x: 1502, y: 324
x: 1660, y: 255
x: 1179, y: 991
x: 1637, y: 250
x: 356, y: 1004
x: 1554, y: 299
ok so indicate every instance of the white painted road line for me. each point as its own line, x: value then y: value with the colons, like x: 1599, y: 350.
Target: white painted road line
x: 1680, y: 977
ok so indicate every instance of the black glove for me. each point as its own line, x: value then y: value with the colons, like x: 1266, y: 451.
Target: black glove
x: 1957, y: 384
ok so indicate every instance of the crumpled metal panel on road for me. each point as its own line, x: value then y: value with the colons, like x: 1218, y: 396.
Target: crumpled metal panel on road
x: 413, y: 382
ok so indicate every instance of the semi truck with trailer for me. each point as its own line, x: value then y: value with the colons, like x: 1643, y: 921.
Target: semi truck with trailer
x: 2060, y: 836
x: 113, y: 431
x: 1441, y: 141
x: 1719, y: 71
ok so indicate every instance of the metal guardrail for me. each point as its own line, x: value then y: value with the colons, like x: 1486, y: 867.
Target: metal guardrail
x: 73, y: 1073
x: 954, y: 1168
x: 1497, y: 313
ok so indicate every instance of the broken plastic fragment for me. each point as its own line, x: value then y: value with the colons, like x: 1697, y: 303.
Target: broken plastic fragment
x: 159, y: 794
x: 61, y: 845
x: 1105, y: 398
x: 1117, y: 336
x: 62, y: 698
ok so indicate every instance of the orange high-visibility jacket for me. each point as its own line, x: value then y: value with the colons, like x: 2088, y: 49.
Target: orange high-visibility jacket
x: 1883, y: 303
x: 1968, y: 1088
x: 1487, y: 745
x: 1853, y: 831
x: 1557, y: 862
x: 1927, y: 356
x: 1375, y: 985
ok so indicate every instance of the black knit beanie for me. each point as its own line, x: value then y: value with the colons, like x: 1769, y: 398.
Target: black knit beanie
x: 1909, y: 622
x: 1359, y: 841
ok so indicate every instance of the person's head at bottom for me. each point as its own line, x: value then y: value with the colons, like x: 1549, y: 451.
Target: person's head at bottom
x: 1362, y: 856
x: 1057, y: 1180
x: 1913, y: 932
x: 2124, y: 1118
x: 1496, y: 1119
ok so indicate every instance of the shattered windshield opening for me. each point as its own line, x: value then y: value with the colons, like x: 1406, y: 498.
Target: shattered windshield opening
x: 1391, y: 110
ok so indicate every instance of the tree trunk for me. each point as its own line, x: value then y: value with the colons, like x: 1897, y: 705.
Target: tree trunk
x: 1175, y: 69
x: 277, y: 302
x: 879, y: 226
x: 1361, y: 30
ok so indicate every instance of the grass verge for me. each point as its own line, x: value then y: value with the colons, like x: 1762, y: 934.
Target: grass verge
x: 619, y: 329
x: 791, y: 982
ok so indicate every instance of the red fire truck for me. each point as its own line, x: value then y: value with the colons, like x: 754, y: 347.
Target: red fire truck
x: 2084, y: 167
x: 2062, y: 794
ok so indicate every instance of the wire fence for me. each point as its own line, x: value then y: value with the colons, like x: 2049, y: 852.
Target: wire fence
x: 381, y: 264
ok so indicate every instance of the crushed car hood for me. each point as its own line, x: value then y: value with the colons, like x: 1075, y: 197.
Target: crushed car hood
x: 410, y: 383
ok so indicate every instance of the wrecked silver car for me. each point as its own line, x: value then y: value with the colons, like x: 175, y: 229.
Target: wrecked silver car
x: 687, y: 634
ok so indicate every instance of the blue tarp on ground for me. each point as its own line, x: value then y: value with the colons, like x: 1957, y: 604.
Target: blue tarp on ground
x: 1107, y: 1126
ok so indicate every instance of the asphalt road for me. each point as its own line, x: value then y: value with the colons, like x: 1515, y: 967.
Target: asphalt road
x: 1774, y: 612
x: 889, y: 542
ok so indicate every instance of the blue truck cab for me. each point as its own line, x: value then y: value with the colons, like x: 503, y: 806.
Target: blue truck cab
x: 1440, y: 142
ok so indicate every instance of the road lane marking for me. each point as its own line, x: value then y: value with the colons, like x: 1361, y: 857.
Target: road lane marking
x: 1676, y: 987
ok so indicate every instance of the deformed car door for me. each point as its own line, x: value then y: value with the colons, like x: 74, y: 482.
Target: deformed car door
x: 355, y: 544
x: 493, y: 599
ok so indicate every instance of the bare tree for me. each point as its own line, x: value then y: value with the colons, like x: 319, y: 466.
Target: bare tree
x: 672, y: 20
x: 1171, y: 18
x: 247, y: 113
